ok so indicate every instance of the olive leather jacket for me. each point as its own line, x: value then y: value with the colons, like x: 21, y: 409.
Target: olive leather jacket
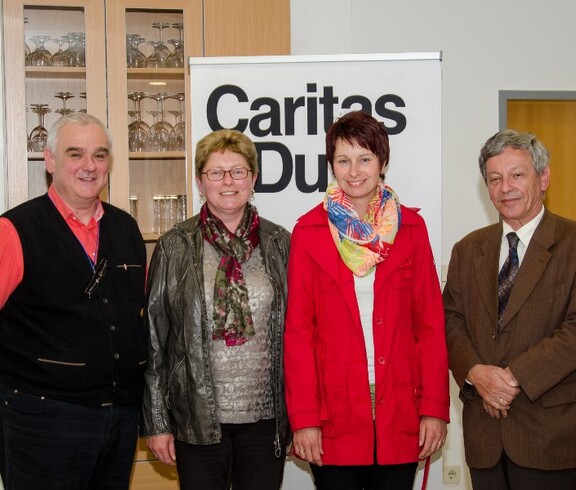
x: 179, y: 396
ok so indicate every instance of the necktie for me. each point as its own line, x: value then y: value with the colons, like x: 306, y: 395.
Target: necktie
x: 507, y: 274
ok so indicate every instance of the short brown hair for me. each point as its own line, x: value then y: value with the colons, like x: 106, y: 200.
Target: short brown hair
x: 361, y: 129
x: 225, y: 140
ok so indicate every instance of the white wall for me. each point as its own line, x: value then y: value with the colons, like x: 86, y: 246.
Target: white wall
x: 2, y: 142
x: 3, y: 192
x: 487, y: 46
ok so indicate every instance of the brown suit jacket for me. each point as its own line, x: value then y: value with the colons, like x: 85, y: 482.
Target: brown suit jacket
x: 537, y: 341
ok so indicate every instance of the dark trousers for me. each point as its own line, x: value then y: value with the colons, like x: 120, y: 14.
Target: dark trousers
x: 374, y: 477
x: 243, y: 459
x: 507, y: 475
x: 54, y: 445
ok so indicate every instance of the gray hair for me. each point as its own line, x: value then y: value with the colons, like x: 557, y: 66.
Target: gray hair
x: 78, y: 118
x: 509, y: 138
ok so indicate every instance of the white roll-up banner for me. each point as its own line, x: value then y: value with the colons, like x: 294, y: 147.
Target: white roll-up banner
x: 286, y: 103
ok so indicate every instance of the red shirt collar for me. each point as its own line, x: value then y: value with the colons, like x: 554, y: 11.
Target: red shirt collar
x: 66, y: 212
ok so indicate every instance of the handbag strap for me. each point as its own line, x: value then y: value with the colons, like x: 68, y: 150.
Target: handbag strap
x: 426, y: 473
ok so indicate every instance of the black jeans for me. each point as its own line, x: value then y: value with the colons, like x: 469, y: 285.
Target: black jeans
x: 373, y: 477
x: 55, y: 445
x: 244, y: 458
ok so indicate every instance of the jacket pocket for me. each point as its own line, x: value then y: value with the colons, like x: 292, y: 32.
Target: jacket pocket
x: 406, y: 271
x: 345, y: 401
x: 73, y: 369
x: 407, y: 394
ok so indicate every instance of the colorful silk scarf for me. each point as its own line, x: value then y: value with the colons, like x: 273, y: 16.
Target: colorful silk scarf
x: 232, y: 316
x: 363, y: 243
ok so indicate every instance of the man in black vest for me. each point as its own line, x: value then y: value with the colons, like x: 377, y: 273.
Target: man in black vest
x: 72, y: 343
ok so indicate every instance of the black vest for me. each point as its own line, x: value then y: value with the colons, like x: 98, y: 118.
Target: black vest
x: 55, y: 340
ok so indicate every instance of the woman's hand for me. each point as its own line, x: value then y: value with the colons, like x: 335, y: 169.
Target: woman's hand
x: 307, y: 445
x: 432, y: 436
x: 162, y: 446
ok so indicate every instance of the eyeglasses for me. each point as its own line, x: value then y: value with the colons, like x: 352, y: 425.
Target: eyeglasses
x: 99, y: 272
x: 238, y: 173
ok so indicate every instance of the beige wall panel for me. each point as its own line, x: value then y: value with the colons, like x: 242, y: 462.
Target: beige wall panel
x: 246, y: 27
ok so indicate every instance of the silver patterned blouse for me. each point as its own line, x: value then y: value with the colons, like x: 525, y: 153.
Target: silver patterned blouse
x: 243, y: 374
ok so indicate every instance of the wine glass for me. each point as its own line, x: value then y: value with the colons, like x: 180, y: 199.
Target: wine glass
x: 176, y: 58
x: 40, y: 56
x: 159, y: 133
x: 28, y: 51
x: 64, y: 96
x: 76, y: 52
x: 177, y: 138
x: 161, y: 53
x: 60, y: 58
x: 179, y: 26
x: 178, y: 135
x: 82, y: 95
x: 134, y: 57
x: 137, y: 129
x: 39, y: 134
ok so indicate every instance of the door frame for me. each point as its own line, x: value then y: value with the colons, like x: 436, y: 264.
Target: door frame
x: 505, y: 95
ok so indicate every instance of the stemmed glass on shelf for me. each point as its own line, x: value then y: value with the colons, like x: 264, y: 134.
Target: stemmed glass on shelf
x: 82, y: 96
x: 159, y: 134
x: 177, y: 141
x: 64, y: 96
x: 161, y: 53
x: 39, y: 135
x: 40, y: 56
x: 76, y: 50
x: 134, y: 57
x: 137, y: 129
x: 61, y: 57
x: 176, y: 58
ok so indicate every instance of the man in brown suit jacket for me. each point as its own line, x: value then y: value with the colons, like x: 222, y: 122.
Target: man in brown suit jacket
x: 518, y: 373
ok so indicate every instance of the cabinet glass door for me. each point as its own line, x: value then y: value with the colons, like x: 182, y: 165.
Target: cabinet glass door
x: 57, y: 68
x: 148, y: 91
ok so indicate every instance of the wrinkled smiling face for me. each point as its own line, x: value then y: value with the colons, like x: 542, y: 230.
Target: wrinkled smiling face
x: 515, y: 188
x: 80, y: 164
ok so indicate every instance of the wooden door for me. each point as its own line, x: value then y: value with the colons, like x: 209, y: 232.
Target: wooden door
x: 554, y: 123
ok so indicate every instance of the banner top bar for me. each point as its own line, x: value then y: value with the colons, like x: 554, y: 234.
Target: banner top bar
x: 232, y: 60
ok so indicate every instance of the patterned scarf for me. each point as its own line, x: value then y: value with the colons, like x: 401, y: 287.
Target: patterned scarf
x: 232, y: 316
x: 363, y: 243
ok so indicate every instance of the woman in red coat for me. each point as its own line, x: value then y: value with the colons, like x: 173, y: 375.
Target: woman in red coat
x: 365, y: 352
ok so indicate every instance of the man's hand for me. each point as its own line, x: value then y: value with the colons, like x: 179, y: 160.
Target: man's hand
x: 496, y: 386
